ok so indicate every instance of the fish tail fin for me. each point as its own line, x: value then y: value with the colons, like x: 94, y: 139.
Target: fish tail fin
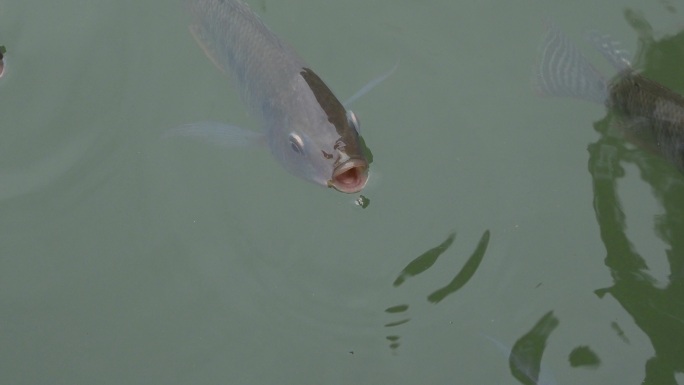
x: 611, y: 49
x: 563, y: 71
x: 217, y: 133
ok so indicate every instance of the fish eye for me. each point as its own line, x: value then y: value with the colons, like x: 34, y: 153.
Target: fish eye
x: 353, y: 121
x: 296, y: 143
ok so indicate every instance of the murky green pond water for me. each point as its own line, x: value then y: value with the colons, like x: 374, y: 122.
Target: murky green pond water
x: 498, y: 219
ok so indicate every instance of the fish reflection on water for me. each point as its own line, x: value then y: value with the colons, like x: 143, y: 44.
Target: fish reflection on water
x: 525, y: 357
x: 649, y: 114
x: 305, y: 126
x: 527, y: 369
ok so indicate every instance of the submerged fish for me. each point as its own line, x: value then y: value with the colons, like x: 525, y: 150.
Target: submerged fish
x: 306, y: 127
x: 650, y: 114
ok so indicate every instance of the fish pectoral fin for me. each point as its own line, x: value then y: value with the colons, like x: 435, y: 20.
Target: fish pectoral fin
x: 203, y: 43
x: 217, y: 133
x: 370, y: 85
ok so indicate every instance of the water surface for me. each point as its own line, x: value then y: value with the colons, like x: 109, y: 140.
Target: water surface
x: 125, y: 258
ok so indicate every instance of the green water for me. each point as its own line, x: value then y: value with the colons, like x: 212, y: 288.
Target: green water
x: 494, y: 215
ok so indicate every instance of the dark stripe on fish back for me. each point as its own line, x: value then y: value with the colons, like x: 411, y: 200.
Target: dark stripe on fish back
x: 336, y: 113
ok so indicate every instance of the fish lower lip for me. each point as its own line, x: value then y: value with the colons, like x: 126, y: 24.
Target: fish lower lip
x: 350, y: 177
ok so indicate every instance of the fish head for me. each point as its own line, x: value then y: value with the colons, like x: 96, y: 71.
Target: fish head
x: 321, y: 141
x: 316, y: 152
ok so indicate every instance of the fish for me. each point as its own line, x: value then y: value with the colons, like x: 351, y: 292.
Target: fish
x: 307, y: 129
x: 649, y: 114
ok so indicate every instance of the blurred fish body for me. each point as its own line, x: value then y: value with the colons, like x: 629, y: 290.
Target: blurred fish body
x: 651, y: 115
x: 306, y: 127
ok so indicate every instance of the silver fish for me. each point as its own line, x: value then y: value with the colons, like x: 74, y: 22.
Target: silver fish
x: 306, y: 127
x: 651, y: 115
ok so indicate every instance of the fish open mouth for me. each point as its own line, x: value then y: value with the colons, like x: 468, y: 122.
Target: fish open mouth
x: 350, y: 177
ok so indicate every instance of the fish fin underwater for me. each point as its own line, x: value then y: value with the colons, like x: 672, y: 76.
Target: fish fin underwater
x: 217, y: 133
x: 370, y: 85
x: 196, y: 33
x: 645, y: 112
x: 563, y: 71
